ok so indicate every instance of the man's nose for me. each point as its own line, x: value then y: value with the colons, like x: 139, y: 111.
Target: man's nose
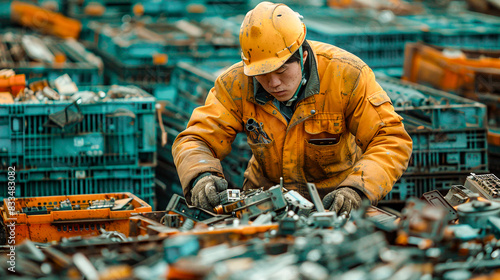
x: 274, y: 80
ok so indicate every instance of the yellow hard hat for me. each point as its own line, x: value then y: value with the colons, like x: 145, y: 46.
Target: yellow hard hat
x: 269, y: 35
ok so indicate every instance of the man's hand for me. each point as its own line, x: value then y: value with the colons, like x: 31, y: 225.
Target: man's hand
x: 342, y: 200
x: 205, y: 192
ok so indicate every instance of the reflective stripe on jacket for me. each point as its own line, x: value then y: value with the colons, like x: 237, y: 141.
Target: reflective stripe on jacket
x: 372, y: 148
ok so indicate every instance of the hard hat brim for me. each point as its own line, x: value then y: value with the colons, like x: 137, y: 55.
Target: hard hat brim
x: 265, y: 66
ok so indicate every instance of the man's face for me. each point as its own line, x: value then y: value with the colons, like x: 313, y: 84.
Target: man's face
x: 283, y: 82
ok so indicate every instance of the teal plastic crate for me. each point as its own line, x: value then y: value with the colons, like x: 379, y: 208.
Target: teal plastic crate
x: 114, y: 132
x: 415, y: 186
x: 138, y: 180
x: 82, y: 66
x: 180, y: 40
x: 377, y: 43
x: 110, y: 9
x: 448, y: 152
x: 193, y: 8
x: 194, y: 81
x: 5, y: 13
x: 448, y: 132
x: 427, y: 108
x: 462, y: 29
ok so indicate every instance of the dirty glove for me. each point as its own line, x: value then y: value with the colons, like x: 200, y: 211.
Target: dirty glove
x: 205, y: 191
x: 342, y: 200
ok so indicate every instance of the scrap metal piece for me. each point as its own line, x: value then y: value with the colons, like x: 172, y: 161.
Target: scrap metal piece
x: 262, y: 202
x: 84, y: 97
x: 104, y: 203
x: 435, y: 198
x: 323, y: 219
x: 476, y: 213
x: 422, y: 224
x: 56, y: 257
x: 180, y: 246
x: 178, y: 205
x: 229, y: 196
x: 85, y: 266
x: 36, y: 49
x: 458, y: 194
x: 298, y: 204
x: 315, y: 197
x: 50, y: 93
x: 65, y: 85
x: 487, y: 185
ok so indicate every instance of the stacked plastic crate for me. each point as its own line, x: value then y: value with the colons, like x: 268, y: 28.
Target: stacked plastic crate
x: 86, y: 10
x: 462, y: 57
x: 460, y: 28
x: 449, y: 136
x: 5, y: 8
x: 49, y: 57
x: 145, y: 54
x: 377, y: 39
x: 190, y: 8
x: 107, y: 143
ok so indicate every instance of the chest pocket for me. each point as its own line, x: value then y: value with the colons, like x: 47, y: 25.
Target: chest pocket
x: 324, y: 125
x: 325, y: 158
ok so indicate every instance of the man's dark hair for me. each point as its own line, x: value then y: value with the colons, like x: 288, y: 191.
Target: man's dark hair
x: 296, y: 55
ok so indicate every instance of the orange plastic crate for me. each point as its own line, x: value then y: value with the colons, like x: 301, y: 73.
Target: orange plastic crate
x: 55, y: 225
x: 44, y: 20
x: 427, y: 64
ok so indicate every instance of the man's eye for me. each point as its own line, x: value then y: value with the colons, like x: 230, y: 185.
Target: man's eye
x: 281, y: 71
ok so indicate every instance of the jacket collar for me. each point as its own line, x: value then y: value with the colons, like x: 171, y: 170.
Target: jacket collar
x: 311, y: 87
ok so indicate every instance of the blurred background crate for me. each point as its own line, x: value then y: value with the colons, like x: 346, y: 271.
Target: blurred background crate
x: 462, y: 29
x: 146, y: 54
x: 111, y: 132
x: 194, y: 9
x: 86, y: 10
x: 415, y: 186
x: 377, y: 39
x: 449, y: 133
x: 48, y: 57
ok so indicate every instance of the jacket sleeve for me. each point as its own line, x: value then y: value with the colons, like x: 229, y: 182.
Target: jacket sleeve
x: 207, y: 138
x: 381, y: 135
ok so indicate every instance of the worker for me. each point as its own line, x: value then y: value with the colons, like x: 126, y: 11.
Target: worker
x: 312, y: 112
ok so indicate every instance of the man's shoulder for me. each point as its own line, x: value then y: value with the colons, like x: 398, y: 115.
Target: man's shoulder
x: 235, y: 70
x: 234, y: 80
x: 327, y: 53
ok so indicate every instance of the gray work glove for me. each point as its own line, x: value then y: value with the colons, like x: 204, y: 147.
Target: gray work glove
x: 342, y: 200
x: 205, y: 192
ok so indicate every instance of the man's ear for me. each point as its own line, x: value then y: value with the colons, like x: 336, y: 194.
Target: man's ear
x: 304, y: 55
